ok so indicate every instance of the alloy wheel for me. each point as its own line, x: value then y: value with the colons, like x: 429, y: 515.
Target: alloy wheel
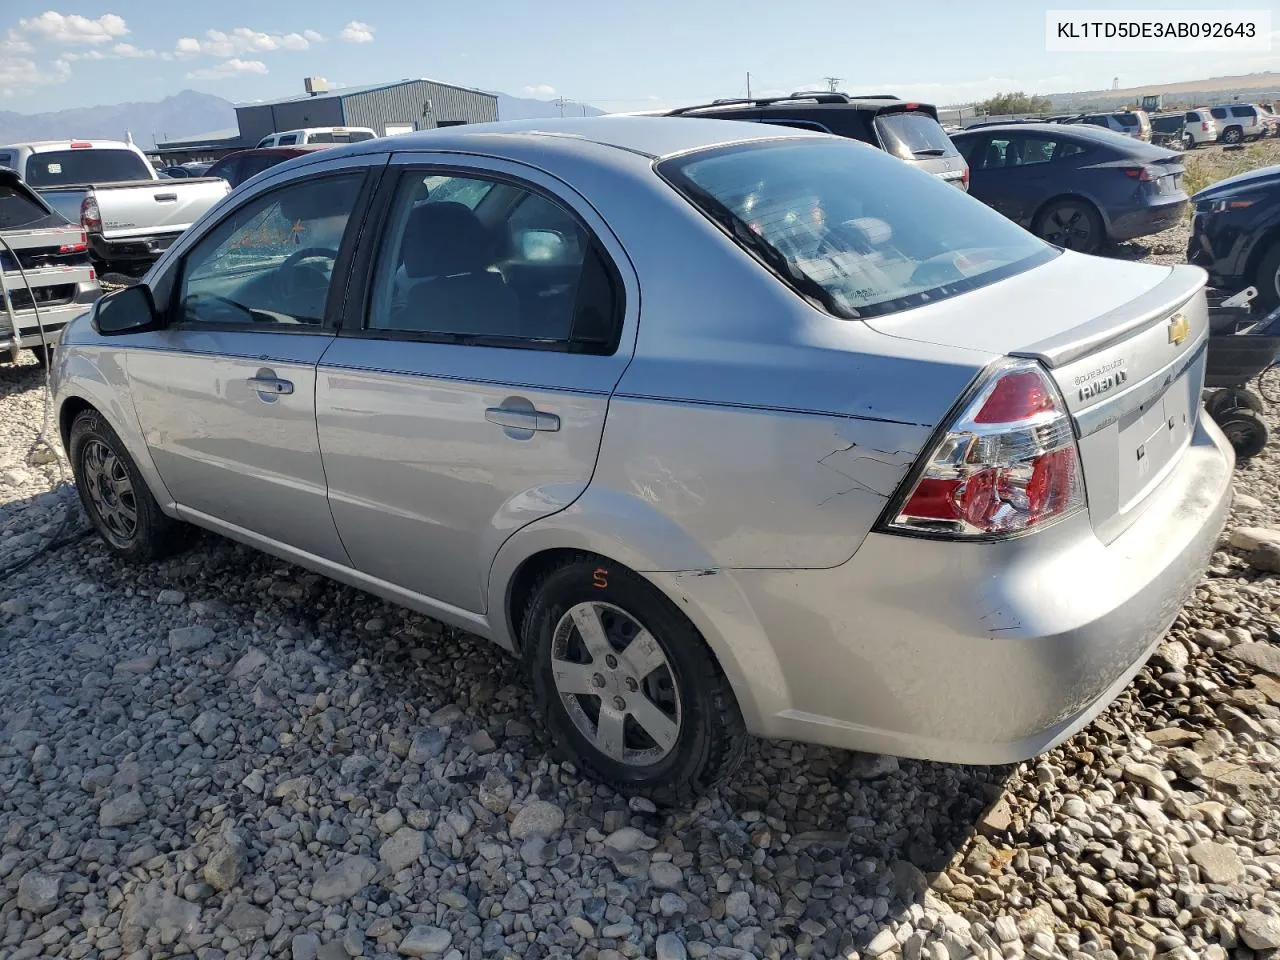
x: 616, y: 684
x: 110, y: 491
x: 1069, y: 226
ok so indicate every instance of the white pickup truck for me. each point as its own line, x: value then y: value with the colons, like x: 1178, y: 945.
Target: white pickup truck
x: 131, y: 216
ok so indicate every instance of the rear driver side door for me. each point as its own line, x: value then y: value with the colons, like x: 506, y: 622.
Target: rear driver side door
x: 466, y: 393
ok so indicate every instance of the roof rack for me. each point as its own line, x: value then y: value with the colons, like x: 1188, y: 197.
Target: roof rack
x: 821, y: 96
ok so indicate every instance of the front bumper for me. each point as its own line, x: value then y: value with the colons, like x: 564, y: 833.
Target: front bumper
x: 974, y: 652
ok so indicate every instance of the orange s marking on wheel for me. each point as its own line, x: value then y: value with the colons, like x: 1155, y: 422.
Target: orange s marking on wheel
x: 600, y: 579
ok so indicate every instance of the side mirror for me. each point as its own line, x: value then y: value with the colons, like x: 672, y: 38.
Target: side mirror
x: 543, y: 246
x: 130, y: 310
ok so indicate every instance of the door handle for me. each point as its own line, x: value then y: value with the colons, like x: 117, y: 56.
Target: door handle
x: 515, y: 418
x: 271, y: 386
x: 166, y: 198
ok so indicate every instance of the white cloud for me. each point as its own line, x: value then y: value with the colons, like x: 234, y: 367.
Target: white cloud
x: 357, y: 32
x: 73, y: 28
x: 13, y: 43
x: 121, y: 51
x: 540, y: 90
x: 243, y: 40
x: 19, y: 75
x: 229, y: 68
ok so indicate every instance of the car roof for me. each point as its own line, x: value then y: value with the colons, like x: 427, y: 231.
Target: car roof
x: 288, y: 148
x: 653, y: 137
x: 39, y: 146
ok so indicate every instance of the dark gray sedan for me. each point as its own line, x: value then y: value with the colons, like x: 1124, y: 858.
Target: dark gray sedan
x: 1077, y: 187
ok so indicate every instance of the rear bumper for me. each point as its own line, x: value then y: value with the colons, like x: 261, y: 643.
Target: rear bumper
x: 974, y: 653
x: 22, y: 330
x: 1146, y: 220
x: 134, y: 249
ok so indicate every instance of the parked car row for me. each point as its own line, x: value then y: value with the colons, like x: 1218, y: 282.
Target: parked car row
x: 721, y: 429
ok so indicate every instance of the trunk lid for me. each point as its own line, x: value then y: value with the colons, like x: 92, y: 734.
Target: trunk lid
x: 1125, y: 344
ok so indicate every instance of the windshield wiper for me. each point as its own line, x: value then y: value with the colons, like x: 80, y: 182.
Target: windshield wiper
x: 930, y: 152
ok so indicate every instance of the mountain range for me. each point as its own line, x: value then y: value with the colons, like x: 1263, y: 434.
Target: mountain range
x: 190, y: 113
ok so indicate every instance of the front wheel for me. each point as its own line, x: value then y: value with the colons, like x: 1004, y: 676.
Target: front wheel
x: 1188, y: 141
x: 628, y: 688
x: 1071, y: 224
x: 116, y: 497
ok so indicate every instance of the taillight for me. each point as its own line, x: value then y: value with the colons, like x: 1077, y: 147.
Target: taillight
x: 1139, y: 173
x: 80, y: 247
x: 964, y: 177
x: 1204, y: 126
x: 93, y: 274
x: 1007, y: 464
x: 90, y: 219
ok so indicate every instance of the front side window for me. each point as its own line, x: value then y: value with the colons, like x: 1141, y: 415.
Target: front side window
x: 467, y: 257
x: 854, y: 231
x: 1219, y: 113
x: 271, y: 262
x: 58, y: 168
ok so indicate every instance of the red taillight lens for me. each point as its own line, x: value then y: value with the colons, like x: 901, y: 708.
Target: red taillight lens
x: 93, y: 274
x: 964, y: 177
x: 73, y: 247
x: 1008, y: 463
x: 1204, y: 126
x: 90, y: 219
x: 1139, y: 173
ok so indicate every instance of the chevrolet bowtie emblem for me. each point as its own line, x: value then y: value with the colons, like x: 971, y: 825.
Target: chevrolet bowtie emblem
x: 1179, y: 329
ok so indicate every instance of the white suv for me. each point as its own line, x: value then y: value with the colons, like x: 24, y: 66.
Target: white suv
x: 1238, y: 122
x: 1200, y: 128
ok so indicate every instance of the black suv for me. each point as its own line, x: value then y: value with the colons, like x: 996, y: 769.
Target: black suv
x: 907, y: 130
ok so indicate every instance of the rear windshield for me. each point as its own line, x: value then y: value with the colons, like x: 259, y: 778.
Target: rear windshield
x: 914, y: 136
x: 853, y: 230
x: 354, y: 136
x: 20, y: 210
x: 1129, y: 119
x: 64, y: 167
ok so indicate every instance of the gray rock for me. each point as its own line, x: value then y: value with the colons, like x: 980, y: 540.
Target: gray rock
x: 881, y: 943
x: 538, y: 818
x: 1259, y: 931
x: 39, y: 892
x: 583, y: 928
x: 344, y: 880
x: 252, y: 661
x: 1266, y: 557
x: 1260, y: 656
x: 669, y: 904
x: 424, y: 941
x: 402, y: 849
x: 1217, y: 863
x: 170, y: 597
x: 206, y: 725
x: 625, y: 840
x: 428, y: 745
x: 245, y: 917
x: 1249, y: 538
x: 122, y: 811
x: 1148, y: 776
x: 1006, y: 929
x: 665, y: 875
x: 481, y: 742
x: 305, y: 946
x: 496, y: 792
x: 228, y: 864
x: 150, y: 908
x: 737, y: 905
x: 872, y: 766
x: 669, y: 946
x: 189, y: 639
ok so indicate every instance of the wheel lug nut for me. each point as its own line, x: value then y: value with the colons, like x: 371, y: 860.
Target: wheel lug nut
x: 632, y: 686
x: 598, y: 680
x: 619, y: 703
x: 611, y: 661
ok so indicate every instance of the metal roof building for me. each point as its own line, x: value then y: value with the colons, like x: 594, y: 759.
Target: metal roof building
x: 388, y: 108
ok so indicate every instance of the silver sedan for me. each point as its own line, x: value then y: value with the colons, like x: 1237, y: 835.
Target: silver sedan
x: 721, y: 429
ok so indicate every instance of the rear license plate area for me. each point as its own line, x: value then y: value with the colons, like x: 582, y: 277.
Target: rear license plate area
x: 1151, y: 438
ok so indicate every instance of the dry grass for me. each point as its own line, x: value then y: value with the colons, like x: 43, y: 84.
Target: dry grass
x: 1207, y: 165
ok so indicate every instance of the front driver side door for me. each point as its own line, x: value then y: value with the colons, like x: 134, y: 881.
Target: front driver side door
x: 225, y: 393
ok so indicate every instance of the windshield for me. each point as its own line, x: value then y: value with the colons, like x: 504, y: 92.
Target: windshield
x: 913, y: 136
x: 20, y: 209
x: 59, y: 168
x: 853, y: 230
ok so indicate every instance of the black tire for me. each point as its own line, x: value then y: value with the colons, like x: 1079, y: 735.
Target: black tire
x: 1188, y: 141
x: 1267, y: 279
x: 1071, y: 223
x: 711, y: 737
x: 1245, y: 430
x: 1233, y: 135
x: 1223, y: 401
x: 111, y: 488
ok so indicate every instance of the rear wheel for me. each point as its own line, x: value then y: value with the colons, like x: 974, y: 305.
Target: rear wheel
x: 116, y: 497
x: 629, y: 689
x: 1267, y: 279
x: 1072, y: 224
x: 1233, y: 135
x: 1245, y: 430
x: 1188, y: 141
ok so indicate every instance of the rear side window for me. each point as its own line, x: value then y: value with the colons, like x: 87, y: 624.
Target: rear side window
x: 853, y: 231
x: 1243, y: 112
x: 64, y: 167
x: 1128, y: 119
x: 20, y: 209
x: 319, y: 138
x: 358, y: 136
x: 914, y: 136
x: 288, y: 140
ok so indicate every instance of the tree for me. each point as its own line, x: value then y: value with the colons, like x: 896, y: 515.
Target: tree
x: 1016, y: 102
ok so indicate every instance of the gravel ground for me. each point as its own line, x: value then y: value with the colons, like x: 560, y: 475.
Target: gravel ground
x: 224, y: 756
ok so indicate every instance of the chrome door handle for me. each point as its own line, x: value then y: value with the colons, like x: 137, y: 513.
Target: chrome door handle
x: 517, y: 419
x: 271, y: 385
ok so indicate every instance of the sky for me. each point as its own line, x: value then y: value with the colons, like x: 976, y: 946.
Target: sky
x: 618, y: 57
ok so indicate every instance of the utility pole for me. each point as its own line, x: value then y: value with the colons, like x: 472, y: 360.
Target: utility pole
x: 560, y: 102
x: 833, y: 83
x: 748, y: 84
